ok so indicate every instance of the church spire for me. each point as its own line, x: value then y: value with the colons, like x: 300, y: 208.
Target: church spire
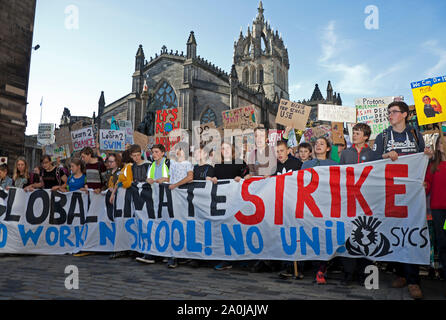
x: 191, y: 46
x: 260, y: 12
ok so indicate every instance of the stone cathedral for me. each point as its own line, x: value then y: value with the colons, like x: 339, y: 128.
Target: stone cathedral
x: 259, y: 76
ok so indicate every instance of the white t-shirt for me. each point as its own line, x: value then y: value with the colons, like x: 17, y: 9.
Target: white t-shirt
x: 178, y: 170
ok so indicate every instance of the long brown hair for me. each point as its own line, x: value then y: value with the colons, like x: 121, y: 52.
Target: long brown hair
x: 16, y: 173
x: 435, y: 162
x: 78, y: 162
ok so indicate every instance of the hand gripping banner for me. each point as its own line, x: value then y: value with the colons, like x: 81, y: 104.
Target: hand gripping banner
x: 375, y: 210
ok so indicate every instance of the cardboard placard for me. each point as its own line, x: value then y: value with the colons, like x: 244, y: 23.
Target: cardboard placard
x: 337, y: 132
x: 292, y: 114
x: 312, y: 134
x: 56, y: 151
x: 241, y: 118
x: 167, y: 120
x: 112, y: 140
x: 203, y: 130
x: 63, y: 138
x: 140, y: 139
x: 373, y: 111
x: 335, y: 113
x: 45, y: 134
x: 430, y: 100
x: 83, y: 138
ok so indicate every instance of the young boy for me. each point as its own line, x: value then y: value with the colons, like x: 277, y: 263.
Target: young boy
x: 284, y: 163
x: 359, y: 152
x: 304, y: 150
x: 157, y: 172
x: 140, y: 166
x: 5, y: 181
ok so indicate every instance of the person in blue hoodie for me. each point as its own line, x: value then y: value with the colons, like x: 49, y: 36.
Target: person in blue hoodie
x: 401, y: 139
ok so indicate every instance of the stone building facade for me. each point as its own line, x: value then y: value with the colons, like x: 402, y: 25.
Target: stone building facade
x: 16, y: 35
x: 259, y: 76
x: 202, y: 89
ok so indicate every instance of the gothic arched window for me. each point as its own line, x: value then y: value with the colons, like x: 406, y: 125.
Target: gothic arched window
x: 253, y: 75
x: 165, y: 97
x: 260, y: 68
x: 245, y: 76
x: 208, y: 116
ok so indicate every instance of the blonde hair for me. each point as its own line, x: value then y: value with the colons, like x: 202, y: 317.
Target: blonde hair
x: 16, y: 173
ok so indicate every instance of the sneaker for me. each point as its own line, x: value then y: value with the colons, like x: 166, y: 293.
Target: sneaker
x: 285, y: 274
x: 320, y: 278
x: 146, y: 259
x: 399, y: 282
x: 172, y: 263
x: 165, y: 260
x: 223, y: 266
x: 415, y: 291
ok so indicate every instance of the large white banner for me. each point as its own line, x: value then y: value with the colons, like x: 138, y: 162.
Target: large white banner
x: 375, y: 210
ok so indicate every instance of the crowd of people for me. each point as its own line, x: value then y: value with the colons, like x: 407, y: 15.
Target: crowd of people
x: 133, y: 166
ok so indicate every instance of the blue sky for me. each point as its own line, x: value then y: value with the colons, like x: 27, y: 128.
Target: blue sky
x: 326, y: 40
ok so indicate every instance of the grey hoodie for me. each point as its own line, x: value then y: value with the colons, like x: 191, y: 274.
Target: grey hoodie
x: 351, y: 156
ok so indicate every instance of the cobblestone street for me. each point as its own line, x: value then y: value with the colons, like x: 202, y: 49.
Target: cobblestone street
x: 43, y: 277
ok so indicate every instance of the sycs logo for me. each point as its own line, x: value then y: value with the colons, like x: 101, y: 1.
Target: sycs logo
x: 366, y: 241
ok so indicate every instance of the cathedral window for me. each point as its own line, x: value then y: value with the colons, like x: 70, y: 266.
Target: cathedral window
x: 165, y: 97
x: 253, y: 75
x: 260, y: 68
x: 208, y: 116
x: 245, y: 76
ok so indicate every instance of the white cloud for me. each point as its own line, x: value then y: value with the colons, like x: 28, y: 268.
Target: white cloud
x: 439, y: 68
x: 354, y: 79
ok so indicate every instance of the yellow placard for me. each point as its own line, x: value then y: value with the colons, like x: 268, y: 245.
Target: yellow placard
x: 430, y: 100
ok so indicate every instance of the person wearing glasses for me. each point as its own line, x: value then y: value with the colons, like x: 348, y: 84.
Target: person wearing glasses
x: 51, y: 177
x: 401, y: 139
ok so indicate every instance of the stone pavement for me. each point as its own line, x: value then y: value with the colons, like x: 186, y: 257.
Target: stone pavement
x: 43, y: 277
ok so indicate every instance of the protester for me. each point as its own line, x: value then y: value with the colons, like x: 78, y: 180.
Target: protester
x: 51, y: 177
x: 5, y: 180
x: 203, y: 170
x: 140, y: 167
x: 125, y: 177
x: 322, y: 148
x: 181, y: 172
x: 305, y: 150
x: 397, y: 140
x: 435, y: 183
x: 158, y: 173
x: 21, y: 175
x: 229, y: 168
x: 284, y: 162
x: 359, y: 152
x: 262, y: 160
x: 337, y: 149
x: 77, y: 179
x: 95, y: 168
x: 114, y: 163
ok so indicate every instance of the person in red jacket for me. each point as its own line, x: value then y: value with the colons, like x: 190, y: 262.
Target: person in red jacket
x: 435, y: 184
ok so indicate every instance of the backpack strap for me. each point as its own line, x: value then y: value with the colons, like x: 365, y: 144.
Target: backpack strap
x: 385, y: 140
x: 415, y: 136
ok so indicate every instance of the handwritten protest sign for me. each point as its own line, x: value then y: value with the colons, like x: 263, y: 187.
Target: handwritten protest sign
x: 56, y: 151
x: 430, y: 100
x: 312, y: 134
x: 337, y: 132
x: 127, y: 126
x: 112, y: 140
x: 335, y: 113
x: 274, y: 135
x: 45, y: 134
x: 63, y: 138
x: 203, y: 130
x: 373, y: 111
x: 292, y: 114
x: 83, y: 138
x: 249, y: 220
x: 166, y: 121
x: 240, y: 118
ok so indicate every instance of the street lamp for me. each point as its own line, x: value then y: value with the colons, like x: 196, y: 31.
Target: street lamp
x: 36, y: 47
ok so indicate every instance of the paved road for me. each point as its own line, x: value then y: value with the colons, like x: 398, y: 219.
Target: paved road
x: 43, y: 277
